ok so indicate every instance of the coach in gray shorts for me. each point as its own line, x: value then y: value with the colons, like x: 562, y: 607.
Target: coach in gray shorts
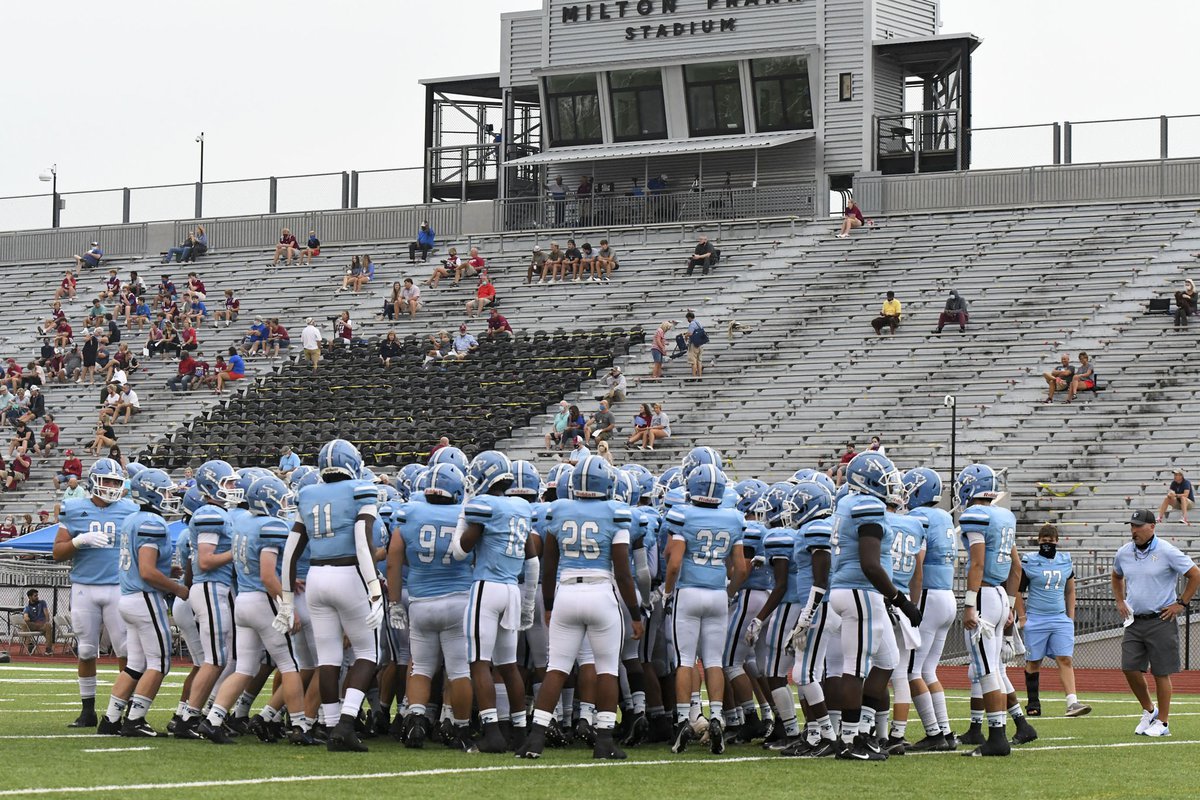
x: 1145, y: 573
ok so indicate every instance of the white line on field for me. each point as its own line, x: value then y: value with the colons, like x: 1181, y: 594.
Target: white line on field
x: 58, y: 736
x: 114, y: 749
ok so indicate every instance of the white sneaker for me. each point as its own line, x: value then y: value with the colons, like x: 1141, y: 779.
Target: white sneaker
x: 542, y: 281
x: 1148, y: 717
x: 1158, y: 728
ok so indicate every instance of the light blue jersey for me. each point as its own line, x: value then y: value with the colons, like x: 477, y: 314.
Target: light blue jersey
x: 760, y: 578
x: 779, y: 544
x: 813, y: 535
x: 996, y: 527
x: 143, y: 529
x: 251, y: 536
x: 853, y: 512
x: 506, y: 523
x: 427, y: 530
x: 906, y: 547
x: 709, y: 536
x: 328, y: 512
x: 305, y: 560
x: 941, y: 548
x: 182, y: 557
x: 210, y: 520
x: 96, y: 566
x: 649, y: 522
x: 1047, y: 583
x: 586, y: 531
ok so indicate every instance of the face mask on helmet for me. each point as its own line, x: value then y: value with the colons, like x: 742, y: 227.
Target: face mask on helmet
x: 109, y: 488
x: 229, y: 492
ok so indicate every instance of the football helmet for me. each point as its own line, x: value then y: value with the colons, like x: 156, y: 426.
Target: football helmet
x: 773, y: 503
x: 922, y: 487
x: 808, y: 500
x: 106, y: 480
x: 976, y: 480
x: 698, y: 456
x: 527, y: 482
x: 875, y: 475
x: 705, y: 483
x: 444, y: 480
x: 270, y: 497
x: 801, y: 475
x: 133, y: 468
x: 407, y: 476
x: 217, y: 481
x: 154, y: 488
x: 593, y: 478
x: 749, y: 491
x: 339, y: 458
x: 192, y: 500
x: 486, y: 470
x: 449, y: 455
x: 301, y: 476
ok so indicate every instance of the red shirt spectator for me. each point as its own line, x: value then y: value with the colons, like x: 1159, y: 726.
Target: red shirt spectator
x: 188, y: 365
x: 50, y: 436
x: 496, y: 322
x: 64, y: 329
x: 69, y: 281
x: 72, y: 466
x: 8, y: 529
x: 18, y: 469
x: 190, y: 338
x: 197, y: 285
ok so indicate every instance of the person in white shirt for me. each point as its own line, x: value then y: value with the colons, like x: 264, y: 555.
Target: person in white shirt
x: 579, y: 453
x: 410, y: 298
x: 310, y: 339
x: 128, y: 403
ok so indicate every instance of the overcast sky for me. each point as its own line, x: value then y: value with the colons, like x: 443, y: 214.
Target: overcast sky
x: 115, y: 93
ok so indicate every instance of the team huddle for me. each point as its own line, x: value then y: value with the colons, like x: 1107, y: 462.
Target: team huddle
x: 504, y: 613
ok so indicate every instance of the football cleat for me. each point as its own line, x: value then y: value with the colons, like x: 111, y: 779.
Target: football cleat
x: 775, y: 735
x: 418, y: 732
x: 716, y: 735
x: 952, y: 741
x: 586, y: 732
x: 138, y: 729
x: 258, y: 727
x: 379, y: 723
x: 797, y: 748
x: 85, y: 720
x: 996, y: 745
x: 399, y: 727
x: 1025, y: 732
x: 188, y: 729
x: 896, y: 746
x: 638, y: 731
x: 343, y: 739
x: 1078, y: 710
x: 930, y: 744
x: 214, y: 733
x: 462, y: 740
x: 555, y: 736
x: 681, y: 736
x: 444, y: 733
x: 605, y: 747
x: 493, y: 740
x: 175, y: 720
x: 534, y: 744
x: 107, y: 727
x: 825, y: 748
x: 301, y: 737
x: 319, y: 732
x: 974, y: 734
x: 861, y: 750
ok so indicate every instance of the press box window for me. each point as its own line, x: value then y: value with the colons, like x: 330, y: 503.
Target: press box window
x: 637, y: 104
x: 574, y: 108
x: 714, y: 99
x: 782, y: 99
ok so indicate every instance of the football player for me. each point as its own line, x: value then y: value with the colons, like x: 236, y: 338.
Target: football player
x: 496, y: 529
x: 334, y: 521
x: 212, y: 581
x: 87, y: 536
x: 939, y: 608
x: 586, y: 548
x: 860, y: 580
x: 438, y: 589
x: 703, y: 551
x: 627, y: 493
x: 908, y: 558
x: 181, y: 609
x: 741, y: 664
x: 1048, y: 591
x: 145, y: 562
x: 993, y: 575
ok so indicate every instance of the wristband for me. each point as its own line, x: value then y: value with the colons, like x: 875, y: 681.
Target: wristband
x: 1012, y: 602
x: 970, y: 599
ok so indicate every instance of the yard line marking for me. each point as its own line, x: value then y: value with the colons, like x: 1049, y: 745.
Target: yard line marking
x: 114, y: 749
x: 58, y: 736
x: 422, y: 773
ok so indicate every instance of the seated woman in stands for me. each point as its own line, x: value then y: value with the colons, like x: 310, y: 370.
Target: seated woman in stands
x: 447, y: 267
x: 105, y: 437
x: 353, y: 274
x: 389, y: 348
x: 311, y: 248
x: 1185, y: 303
x: 66, y: 289
x: 660, y: 428
x: 575, y: 426
x: 391, y: 306
x: 641, y: 423
x: 851, y: 219
x: 343, y: 330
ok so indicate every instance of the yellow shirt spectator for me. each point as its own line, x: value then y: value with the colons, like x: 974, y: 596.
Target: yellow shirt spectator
x: 891, y: 308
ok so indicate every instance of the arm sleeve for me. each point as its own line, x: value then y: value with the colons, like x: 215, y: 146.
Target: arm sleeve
x: 641, y: 565
x: 529, y: 584
x: 362, y: 549
x: 291, y: 554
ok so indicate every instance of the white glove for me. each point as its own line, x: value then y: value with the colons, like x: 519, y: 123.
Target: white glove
x: 758, y: 561
x: 656, y: 596
x: 375, y: 614
x: 90, y: 539
x: 752, y: 630
x: 986, y: 630
x: 397, y: 617
x: 1007, y: 651
x: 804, y: 620
x: 799, y: 635
x: 285, y: 618
x: 1018, y: 643
x: 527, y: 615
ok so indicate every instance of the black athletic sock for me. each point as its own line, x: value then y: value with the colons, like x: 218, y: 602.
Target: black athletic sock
x: 89, y: 705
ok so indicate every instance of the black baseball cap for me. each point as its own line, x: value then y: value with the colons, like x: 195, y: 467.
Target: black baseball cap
x: 1143, y: 516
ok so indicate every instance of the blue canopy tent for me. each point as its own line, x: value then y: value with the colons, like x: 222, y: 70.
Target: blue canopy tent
x: 42, y: 540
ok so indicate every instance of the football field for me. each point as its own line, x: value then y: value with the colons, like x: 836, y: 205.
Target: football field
x: 1091, y: 757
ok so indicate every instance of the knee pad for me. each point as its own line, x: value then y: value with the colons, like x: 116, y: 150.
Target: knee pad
x: 813, y: 693
x: 988, y: 683
x: 734, y: 672
x: 901, y: 691
x: 87, y: 651
x: 133, y: 673
x: 929, y: 677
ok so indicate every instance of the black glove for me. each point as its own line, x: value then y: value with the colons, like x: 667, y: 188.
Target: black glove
x: 908, y: 608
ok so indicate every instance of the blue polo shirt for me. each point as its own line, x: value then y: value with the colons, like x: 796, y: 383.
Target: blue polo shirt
x: 1151, y: 574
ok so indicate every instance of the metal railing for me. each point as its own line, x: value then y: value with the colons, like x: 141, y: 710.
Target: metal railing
x: 1122, y: 139
x: 916, y: 135
x: 607, y: 210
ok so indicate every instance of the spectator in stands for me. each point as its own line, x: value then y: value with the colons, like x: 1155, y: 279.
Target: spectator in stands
x: 256, y: 337
x: 66, y: 289
x: 1185, y: 303
x: 277, y: 338
x: 188, y: 480
x: 696, y: 338
x: 877, y: 446
x: 185, y: 374
x: 572, y: 259
x: 602, y: 424
x: 558, y: 198
x: 166, y: 287
x: 615, y: 385
x: 606, y: 261
x: 287, y: 247
x: 852, y: 218
x: 36, y: 619
x: 658, y: 350
x: 389, y: 348
x: 587, y: 263
x: 90, y: 259
x: 74, y: 490
x: 554, y: 264
x: 537, y: 263
x: 485, y: 295
x: 561, y: 417
x: 702, y: 255
x: 579, y: 451
x: 110, y: 402
x: 34, y: 375
x: 229, y: 313
x: 196, y: 286
x: 112, y: 286
x: 18, y: 470
x: 22, y: 440
x: 353, y: 273
x: 310, y: 340
x: 391, y: 306
x: 583, y: 200
x: 206, y: 376
x: 497, y: 325
x: 474, y: 265
x: 464, y: 343
x: 91, y: 346
x: 199, y: 244
x: 122, y: 359
x: 73, y: 363
x: 311, y: 248
x: 49, y: 436
x: 343, y: 330
x: 96, y: 314
x: 955, y: 311
x: 154, y: 338
x: 442, y: 442
x: 604, y: 451
x: 641, y: 422
x: 170, y: 341
x: 838, y: 473
x: 410, y: 299
x: 140, y: 315
x: 446, y: 267
x: 189, y: 338
x: 660, y: 428
x: 425, y: 242
x: 1179, y: 495
x: 889, y: 315
x: 288, y: 461
x: 234, y: 371
x: 135, y: 283
x: 8, y: 528
x: 37, y: 406
x: 129, y: 404
x: 1059, y: 379
x: 1085, y: 377
x: 63, y: 335
x: 12, y: 374
x: 575, y: 425
x: 181, y: 253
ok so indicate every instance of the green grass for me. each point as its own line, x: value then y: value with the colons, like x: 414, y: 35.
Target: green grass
x: 1093, y: 757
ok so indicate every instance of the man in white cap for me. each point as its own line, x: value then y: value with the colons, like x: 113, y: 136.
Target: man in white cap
x: 579, y: 453
x: 614, y: 386
x: 90, y: 259
x: 310, y: 339
x: 537, y: 262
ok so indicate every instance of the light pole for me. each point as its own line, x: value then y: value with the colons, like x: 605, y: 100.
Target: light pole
x: 51, y: 176
x: 951, y: 402
x: 200, y: 141
x: 200, y: 184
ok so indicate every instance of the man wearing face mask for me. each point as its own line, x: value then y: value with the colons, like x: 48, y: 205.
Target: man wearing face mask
x: 1145, y: 573
x: 1047, y: 607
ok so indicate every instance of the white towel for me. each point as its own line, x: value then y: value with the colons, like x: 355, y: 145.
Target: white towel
x: 910, y: 634
x: 510, y: 620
